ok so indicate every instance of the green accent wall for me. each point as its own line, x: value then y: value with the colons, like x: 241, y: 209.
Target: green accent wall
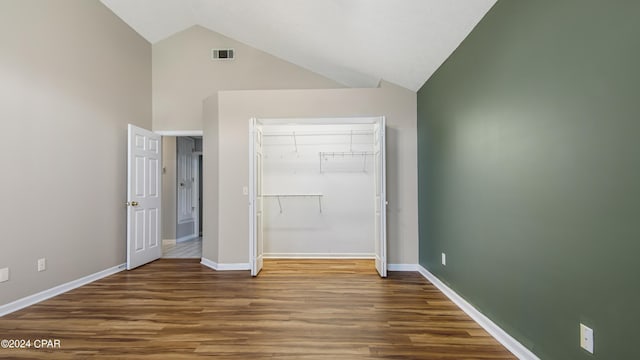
x: 529, y: 173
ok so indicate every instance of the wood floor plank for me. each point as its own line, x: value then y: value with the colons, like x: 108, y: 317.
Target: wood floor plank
x: 312, y: 309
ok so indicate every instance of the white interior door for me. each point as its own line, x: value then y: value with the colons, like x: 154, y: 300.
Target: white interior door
x: 143, y: 197
x: 380, y: 197
x: 185, y: 180
x: 256, y: 242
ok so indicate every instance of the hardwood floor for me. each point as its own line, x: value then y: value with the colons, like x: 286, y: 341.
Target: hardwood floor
x: 319, y: 309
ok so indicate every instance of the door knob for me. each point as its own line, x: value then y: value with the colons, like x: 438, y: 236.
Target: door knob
x: 133, y: 203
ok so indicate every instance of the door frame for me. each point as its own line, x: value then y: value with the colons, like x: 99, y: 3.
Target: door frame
x: 351, y: 120
x: 178, y: 133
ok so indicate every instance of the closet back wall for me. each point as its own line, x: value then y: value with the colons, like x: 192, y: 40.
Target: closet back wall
x: 329, y: 171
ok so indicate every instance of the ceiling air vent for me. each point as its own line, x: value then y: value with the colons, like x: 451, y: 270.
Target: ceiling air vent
x: 222, y: 54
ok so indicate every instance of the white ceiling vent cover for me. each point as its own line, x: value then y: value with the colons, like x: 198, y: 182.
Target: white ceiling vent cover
x: 222, y: 54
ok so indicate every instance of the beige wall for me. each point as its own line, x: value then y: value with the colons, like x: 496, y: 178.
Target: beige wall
x: 184, y: 75
x: 169, y: 168
x: 73, y: 75
x: 210, y: 174
x: 235, y: 108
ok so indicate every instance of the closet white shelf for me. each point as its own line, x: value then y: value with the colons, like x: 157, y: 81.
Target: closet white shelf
x: 280, y: 196
x: 295, y: 135
x: 333, y: 154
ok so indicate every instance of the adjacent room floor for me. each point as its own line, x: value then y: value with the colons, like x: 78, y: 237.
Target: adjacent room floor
x: 191, y: 249
x: 317, y: 309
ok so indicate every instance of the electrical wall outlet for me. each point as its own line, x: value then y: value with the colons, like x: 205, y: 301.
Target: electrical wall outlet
x: 42, y: 264
x: 245, y: 190
x: 586, y: 338
x: 4, y: 274
x: 444, y: 259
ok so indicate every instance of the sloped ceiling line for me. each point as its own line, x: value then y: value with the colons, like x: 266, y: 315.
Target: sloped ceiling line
x: 354, y: 42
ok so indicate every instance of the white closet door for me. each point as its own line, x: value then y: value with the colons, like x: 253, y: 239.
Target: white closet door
x: 256, y: 242
x: 380, y: 197
x: 143, y: 196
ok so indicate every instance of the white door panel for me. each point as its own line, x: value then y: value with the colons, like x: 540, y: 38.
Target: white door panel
x: 154, y: 168
x: 143, y: 197
x: 186, y: 180
x: 256, y: 243
x: 380, y: 197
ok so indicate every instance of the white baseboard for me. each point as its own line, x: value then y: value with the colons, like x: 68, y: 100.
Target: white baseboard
x: 318, y: 256
x: 187, y: 238
x: 500, y: 335
x: 209, y: 263
x: 402, y: 267
x: 57, y: 290
x: 234, y: 266
x: 225, y: 267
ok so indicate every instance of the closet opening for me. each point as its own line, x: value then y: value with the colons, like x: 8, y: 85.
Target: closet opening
x: 317, y: 190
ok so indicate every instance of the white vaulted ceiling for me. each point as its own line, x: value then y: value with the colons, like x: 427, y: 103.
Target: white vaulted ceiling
x: 354, y: 42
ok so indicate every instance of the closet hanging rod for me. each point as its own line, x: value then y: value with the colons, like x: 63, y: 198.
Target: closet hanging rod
x: 279, y: 196
x: 292, y: 195
x: 345, y: 133
x: 345, y: 153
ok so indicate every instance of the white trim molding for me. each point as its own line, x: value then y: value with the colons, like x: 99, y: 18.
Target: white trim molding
x: 318, y: 256
x: 402, y: 267
x: 224, y: 267
x: 234, y: 266
x: 209, y: 263
x: 57, y: 290
x: 500, y: 335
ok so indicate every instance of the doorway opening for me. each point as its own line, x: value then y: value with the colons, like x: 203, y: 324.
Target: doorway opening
x: 182, y: 200
x: 317, y: 190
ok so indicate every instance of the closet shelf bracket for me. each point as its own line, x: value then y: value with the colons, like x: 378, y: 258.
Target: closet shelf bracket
x: 295, y: 141
x: 280, y: 196
x: 324, y: 155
